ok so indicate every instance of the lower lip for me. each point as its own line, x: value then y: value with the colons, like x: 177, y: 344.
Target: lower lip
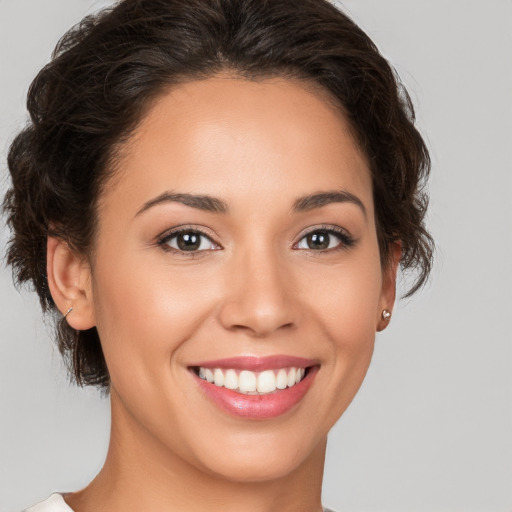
x: 259, y: 407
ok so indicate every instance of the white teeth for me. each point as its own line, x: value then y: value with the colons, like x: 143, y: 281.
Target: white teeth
x: 281, y: 379
x: 266, y: 382
x: 231, y: 380
x: 291, y: 377
x: 218, y: 377
x: 248, y: 382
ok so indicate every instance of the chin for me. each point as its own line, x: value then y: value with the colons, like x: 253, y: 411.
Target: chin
x: 263, y: 457
x: 263, y: 467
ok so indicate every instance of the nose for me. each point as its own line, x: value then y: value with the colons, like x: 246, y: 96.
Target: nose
x: 259, y: 295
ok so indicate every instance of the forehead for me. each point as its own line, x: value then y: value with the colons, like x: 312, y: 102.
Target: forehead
x: 238, y: 139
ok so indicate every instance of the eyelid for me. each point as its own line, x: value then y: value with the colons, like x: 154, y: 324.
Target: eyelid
x: 346, y: 239
x: 163, y: 239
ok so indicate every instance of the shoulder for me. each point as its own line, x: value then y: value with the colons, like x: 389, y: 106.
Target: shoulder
x: 55, y: 503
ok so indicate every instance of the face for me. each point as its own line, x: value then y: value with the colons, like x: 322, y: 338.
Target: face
x: 237, y: 244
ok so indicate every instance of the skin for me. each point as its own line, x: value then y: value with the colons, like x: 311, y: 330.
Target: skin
x: 258, y: 289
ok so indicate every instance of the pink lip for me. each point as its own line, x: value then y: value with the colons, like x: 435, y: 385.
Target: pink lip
x: 258, y: 364
x: 259, y: 407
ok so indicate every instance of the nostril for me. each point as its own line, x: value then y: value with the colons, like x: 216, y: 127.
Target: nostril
x: 260, y: 331
x: 258, y: 304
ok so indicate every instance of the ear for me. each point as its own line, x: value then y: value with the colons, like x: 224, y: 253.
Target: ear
x: 388, y: 290
x: 69, y: 280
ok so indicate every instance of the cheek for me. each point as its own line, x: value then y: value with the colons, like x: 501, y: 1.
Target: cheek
x: 347, y: 304
x: 144, y: 314
x: 348, y: 298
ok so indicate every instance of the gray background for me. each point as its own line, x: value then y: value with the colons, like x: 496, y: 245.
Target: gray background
x: 431, y: 427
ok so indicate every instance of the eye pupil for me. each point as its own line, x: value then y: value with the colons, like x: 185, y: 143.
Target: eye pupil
x: 188, y: 241
x: 318, y: 240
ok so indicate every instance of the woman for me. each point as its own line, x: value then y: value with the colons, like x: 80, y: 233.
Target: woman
x: 214, y: 197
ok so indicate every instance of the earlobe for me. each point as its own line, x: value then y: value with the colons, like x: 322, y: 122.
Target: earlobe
x: 69, y: 281
x: 388, y: 292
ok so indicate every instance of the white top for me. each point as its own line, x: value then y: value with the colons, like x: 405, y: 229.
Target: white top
x: 56, y: 503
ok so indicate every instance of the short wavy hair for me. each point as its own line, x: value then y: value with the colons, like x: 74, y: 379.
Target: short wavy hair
x: 106, y: 71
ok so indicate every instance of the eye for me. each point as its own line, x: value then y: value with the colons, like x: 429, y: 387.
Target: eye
x: 325, y: 239
x: 188, y: 240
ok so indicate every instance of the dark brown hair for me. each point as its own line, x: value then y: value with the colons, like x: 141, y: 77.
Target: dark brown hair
x: 106, y: 71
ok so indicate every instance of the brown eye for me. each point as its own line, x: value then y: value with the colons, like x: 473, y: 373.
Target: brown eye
x: 324, y: 239
x: 318, y: 240
x: 189, y: 241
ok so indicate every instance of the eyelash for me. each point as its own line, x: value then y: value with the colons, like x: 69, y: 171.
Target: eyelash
x: 163, y: 241
x: 345, y: 239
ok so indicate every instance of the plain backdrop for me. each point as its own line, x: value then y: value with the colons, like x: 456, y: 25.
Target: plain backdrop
x: 431, y: 428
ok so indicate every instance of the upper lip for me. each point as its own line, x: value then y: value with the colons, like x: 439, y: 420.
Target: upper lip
x: 256, y: 363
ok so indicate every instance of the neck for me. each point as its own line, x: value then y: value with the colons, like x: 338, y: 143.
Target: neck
x: 141, y: 474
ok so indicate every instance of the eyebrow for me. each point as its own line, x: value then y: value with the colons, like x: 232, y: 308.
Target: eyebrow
x: 320, y: 199
x: 201, y: 202
x: 215, y: 205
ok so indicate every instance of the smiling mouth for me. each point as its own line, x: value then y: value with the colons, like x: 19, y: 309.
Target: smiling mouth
x: 252, y: 383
